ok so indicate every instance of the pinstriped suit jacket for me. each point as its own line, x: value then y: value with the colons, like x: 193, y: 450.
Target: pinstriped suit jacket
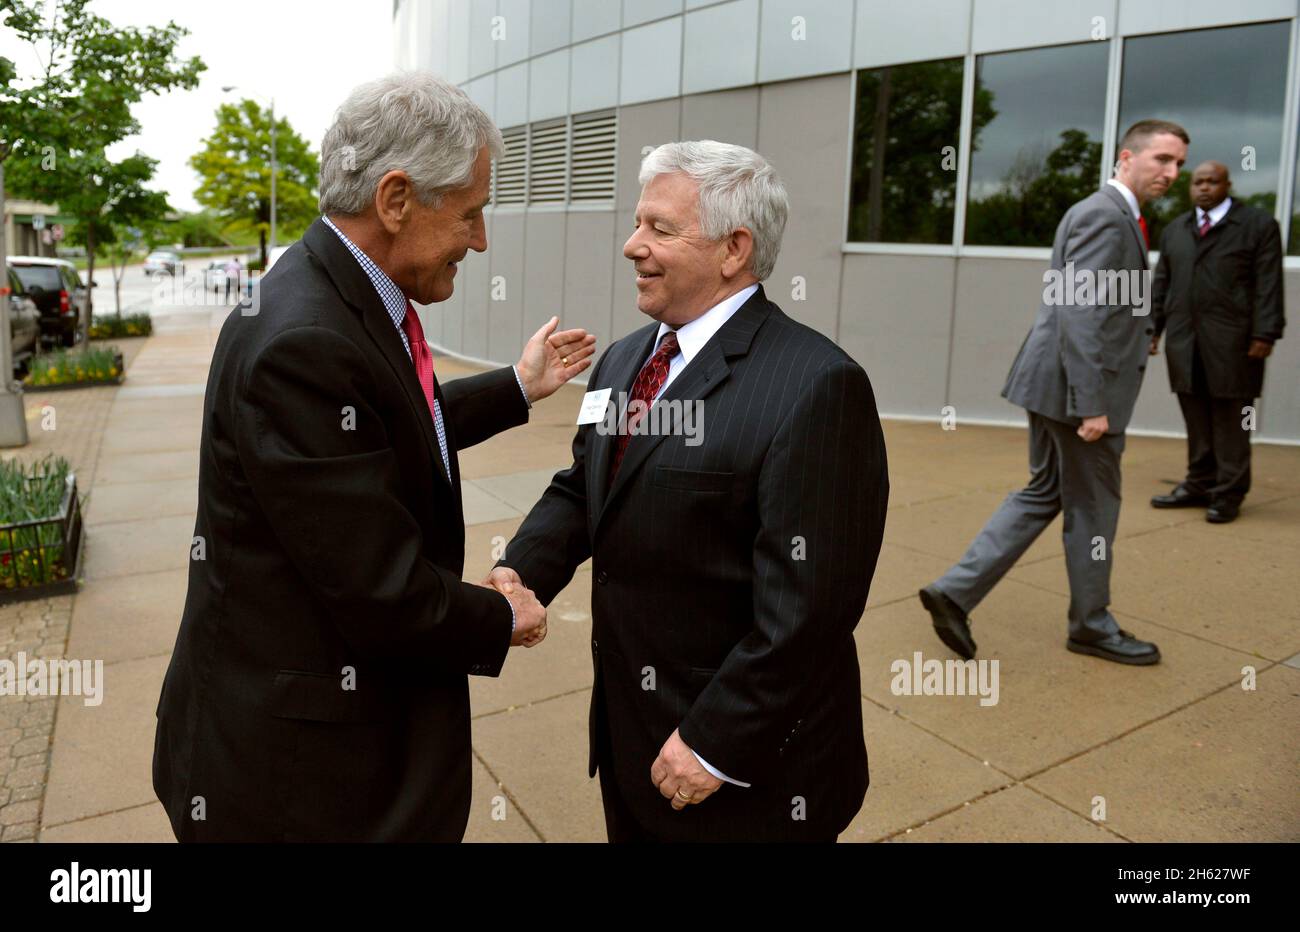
x: 728, y: 577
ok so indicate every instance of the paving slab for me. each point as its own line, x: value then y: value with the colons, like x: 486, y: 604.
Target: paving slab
x: 914, y: 776
x: 1013, y: 814
x: 1198, y: 581
x: 127, y: 501
x: 126, y: 617
x: 127, y: 547
x: 1220, y: 769
x: 1051, y: 704
x: 146, y: 823
x: 103, y: 755
x: 493, y: 816
x: 539, y: 752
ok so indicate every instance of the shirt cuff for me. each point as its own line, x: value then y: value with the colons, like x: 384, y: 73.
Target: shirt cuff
x: 521, y: 386
x: 718, y: 773
x: 512, y: 614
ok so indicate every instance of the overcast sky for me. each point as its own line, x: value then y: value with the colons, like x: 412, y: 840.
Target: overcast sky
x: 307, y: 54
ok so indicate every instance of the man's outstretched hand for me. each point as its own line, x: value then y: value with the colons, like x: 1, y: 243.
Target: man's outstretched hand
x: 552, y: 357
x: 530, y: 614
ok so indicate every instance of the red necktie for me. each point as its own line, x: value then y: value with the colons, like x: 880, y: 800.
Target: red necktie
x: 421, y: 356
x: 1206, y: 224
x: 649, y: 380
x: 1146, y: 237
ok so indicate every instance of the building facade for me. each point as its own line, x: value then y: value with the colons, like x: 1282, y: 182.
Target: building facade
x: 928, y: 147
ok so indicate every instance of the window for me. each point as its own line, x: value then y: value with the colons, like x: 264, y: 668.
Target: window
x: 1036, y: 145
x: 905, y: 140
x: 1226, y: 87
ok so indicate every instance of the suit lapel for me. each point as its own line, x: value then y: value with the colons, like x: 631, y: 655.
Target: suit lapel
x: 1118, y: 200
x: 360, y: 294
x: 603, y: 444
x: 701, y: 377
x: 1216, y: 233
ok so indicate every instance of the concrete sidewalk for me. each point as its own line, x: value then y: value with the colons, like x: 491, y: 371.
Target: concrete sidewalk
x: 1179, y: 751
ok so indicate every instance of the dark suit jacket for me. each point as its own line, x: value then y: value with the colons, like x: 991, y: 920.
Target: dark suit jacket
x: 728, y: 577
x: 1216, y: 293
x: 328, y: 550
x: 1085, y: 354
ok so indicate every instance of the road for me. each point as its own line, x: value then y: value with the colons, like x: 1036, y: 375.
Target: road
x: 183, y: 294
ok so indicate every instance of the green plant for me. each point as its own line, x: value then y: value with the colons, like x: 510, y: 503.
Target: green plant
x: 32, y: 555
x: 96, y: 364
x: 112, y: 328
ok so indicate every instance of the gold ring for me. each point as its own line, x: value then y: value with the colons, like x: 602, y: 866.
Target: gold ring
x: 685, y: 799
x: 565, y: 360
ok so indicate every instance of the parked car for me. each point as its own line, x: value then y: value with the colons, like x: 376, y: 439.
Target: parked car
x: 162, y: 262
x: 24, y: 324
x: 215, y: 276
x: 62, y: 299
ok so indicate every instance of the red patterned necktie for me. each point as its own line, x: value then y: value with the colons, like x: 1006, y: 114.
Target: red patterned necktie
x: 421, y: 356
x: 1206, y: 224
x: 649, y: 380
x: 1146, y: 237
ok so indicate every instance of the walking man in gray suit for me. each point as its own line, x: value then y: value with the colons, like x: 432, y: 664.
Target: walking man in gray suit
x: 1077, y: 375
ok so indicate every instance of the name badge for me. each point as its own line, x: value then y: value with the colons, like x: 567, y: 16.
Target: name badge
x: 593, y: 407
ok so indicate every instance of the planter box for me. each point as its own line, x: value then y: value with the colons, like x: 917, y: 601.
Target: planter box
x: 64, y: 386
x: 42, y: 557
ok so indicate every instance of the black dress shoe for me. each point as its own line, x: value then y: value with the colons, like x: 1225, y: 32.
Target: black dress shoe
x: 1180, y: 498
x: 1222, y: 512
x: 950, y: 622
x: 1121, y: 647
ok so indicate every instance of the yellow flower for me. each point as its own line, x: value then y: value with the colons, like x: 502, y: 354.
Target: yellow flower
x: 53, y: 371
x: 112, y: 370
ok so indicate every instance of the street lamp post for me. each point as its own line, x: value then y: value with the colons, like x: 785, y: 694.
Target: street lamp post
x: 275, y: 168
x: 13, y: 418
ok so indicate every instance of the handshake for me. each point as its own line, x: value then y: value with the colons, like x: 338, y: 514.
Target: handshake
x: 530, y: 615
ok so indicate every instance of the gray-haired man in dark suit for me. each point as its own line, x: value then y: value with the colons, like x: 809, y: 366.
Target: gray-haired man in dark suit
x: 1077, y: 374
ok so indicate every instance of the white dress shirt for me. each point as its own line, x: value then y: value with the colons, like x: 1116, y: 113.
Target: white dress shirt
x: 1217, y: 213
x: 691, y: 338
x: 1129, y: 197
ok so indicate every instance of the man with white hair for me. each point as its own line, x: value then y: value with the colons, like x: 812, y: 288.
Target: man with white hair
x: 317, y: 691
x: 730, y: 562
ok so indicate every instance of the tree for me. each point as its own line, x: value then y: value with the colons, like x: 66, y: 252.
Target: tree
x: 234, y: 168
x: 55, y: 128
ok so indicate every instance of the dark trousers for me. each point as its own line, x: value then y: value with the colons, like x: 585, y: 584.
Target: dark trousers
x: 1218, y: 447
x: 620, y: 825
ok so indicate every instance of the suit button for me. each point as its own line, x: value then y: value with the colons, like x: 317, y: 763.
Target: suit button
x: 1142, y: 368
x: 602, y: 577
x: 1151, y: 330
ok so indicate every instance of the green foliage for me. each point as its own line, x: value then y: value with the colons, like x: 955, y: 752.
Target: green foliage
x: 200, y: 229
x: 35, y: 555
x: 55, y: 128
x: 234, y: 169
x: 67, y: 367
x: 111, y: 328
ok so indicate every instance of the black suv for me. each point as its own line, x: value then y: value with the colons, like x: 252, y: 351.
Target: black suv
x: 59, y: 294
